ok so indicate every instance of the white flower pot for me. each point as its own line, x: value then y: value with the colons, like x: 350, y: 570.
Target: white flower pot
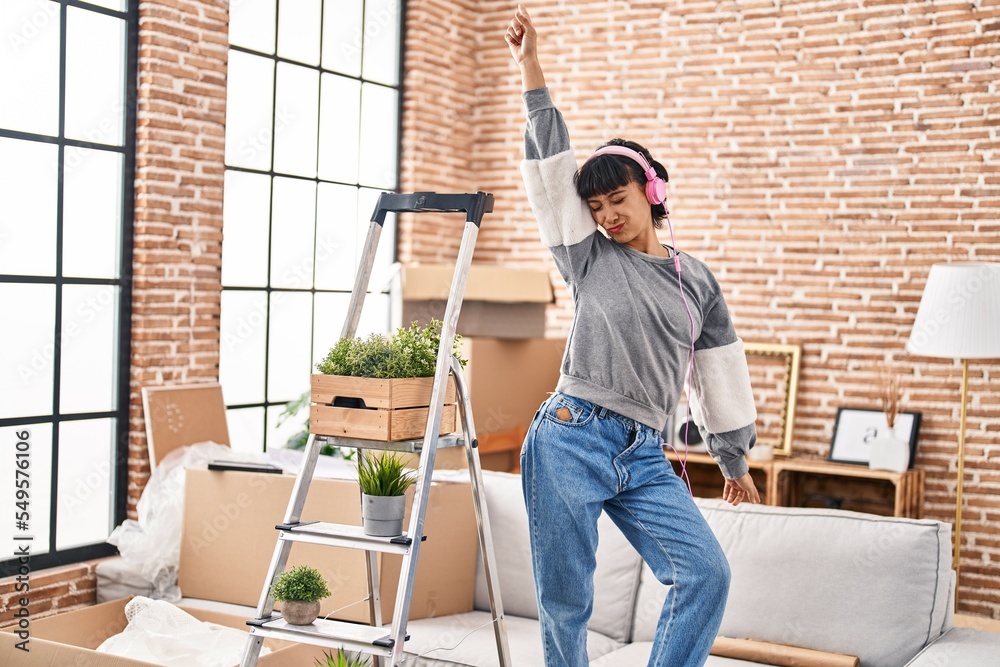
x: 383, y: 515
x: 889, y: 452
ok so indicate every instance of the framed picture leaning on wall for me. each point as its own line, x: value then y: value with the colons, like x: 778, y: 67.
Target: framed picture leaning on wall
x: 855, y: 428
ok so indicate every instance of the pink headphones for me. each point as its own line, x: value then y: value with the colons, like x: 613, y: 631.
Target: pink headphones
x: 656, y: 187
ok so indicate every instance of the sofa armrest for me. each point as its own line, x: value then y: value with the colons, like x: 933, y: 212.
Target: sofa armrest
x: 960, y: 647
x: 782, y: 655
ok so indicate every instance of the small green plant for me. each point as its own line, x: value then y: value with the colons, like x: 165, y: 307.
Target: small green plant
x: 384, y: 475
x: 342, y: 659
x: 410, y: 353
x: 300, y: 584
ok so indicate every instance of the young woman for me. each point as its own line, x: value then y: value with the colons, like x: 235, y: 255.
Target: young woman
x: 643, y: 313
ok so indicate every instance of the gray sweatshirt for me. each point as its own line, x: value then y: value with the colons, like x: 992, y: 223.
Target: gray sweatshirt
x: 629, y: 345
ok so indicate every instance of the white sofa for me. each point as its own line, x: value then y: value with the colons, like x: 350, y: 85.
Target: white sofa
x: 879, y: 588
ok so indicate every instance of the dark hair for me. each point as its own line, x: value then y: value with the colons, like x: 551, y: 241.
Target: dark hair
x: 607, y: 173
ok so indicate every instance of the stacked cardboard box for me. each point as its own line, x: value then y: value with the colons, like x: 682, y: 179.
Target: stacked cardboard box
x: 512, y: 366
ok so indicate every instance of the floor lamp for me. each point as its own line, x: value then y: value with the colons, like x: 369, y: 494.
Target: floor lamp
x: 959, y: 318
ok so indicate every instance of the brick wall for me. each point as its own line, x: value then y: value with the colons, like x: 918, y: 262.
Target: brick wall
x: 823, y: 154
x: 180, y: 152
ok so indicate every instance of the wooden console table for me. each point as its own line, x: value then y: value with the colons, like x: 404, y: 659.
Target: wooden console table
x: 792, y: 482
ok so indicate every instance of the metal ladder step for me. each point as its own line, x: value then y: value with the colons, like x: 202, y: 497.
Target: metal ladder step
x: 328, y: 634
x: 342, y: 535
x: 406, y: 446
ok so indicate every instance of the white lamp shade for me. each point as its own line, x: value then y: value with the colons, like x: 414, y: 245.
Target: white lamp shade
x: 959, y: 314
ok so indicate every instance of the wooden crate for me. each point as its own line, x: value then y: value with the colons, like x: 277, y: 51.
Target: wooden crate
x: 394, y: 409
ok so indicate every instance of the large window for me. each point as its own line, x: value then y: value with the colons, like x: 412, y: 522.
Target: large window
x: 66, y: 167
x: 312, y: 134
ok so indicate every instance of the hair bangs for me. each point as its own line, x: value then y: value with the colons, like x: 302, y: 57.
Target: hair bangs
x: 602, y: 175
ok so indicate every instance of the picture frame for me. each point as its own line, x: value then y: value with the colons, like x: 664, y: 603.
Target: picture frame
x: 774, y: 364
x: 856, y: 427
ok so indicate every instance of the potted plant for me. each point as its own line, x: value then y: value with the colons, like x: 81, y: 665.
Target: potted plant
x: 384, y: 481
x: 342, y: 659
x: 380, y: 388
x: 888, y: 450
x: 300, y: 590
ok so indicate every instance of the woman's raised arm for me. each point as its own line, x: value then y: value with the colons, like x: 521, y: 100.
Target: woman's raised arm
x: 523, y: 42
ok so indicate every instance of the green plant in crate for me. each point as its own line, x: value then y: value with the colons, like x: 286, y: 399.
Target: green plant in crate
x: 341, y: 659
x: 384, y: 475
x: 409, y: 353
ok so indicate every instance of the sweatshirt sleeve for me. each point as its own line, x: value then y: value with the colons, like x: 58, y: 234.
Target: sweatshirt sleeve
x: 564, y: 221
x: 721, y: 385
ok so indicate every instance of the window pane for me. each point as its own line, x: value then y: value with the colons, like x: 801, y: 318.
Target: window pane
x: 277, y: 436
x: 297, y: 109
x: 246, y: 429
x: 288, y: 366
x: 40, y: 467
x: 95, y: 73
x: 246, y: 203
x: 28, y: 350
x: 28, y: 178
x: 374, y: 316
x: 249, y: 100
x: 330, y: 313
x: 294, y: 220
x: 298, y: 31
x: 381, y: 41
x: 89, y: 347
x: 339, y: 128
x: 336, y: 236
x: 92, y: 192
x: 379, y: 113
x: 386, y: 253
x: 85, y: 491
x: 342, y: 36
x: 29, y: 66
x: 251, y: 24
x: 241, y: 356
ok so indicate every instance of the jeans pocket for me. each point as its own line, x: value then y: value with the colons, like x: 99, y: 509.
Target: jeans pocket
x: 570, y: 411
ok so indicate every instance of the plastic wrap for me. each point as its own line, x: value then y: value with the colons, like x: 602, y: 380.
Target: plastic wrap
x: 152, y: 545
x: 160, y: 633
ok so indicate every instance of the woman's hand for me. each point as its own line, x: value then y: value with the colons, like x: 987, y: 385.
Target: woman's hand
x: 521, y: 37
x: 738, y: 490
x: 523, y: 42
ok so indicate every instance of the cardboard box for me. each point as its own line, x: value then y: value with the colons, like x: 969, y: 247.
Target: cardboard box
x: 508, y: 381
x: 183, y: 415
x: 229, y: 538
x: 71, y: 639
x: 498, y: 302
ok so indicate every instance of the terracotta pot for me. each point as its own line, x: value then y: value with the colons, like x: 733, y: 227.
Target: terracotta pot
x: 297, y: 612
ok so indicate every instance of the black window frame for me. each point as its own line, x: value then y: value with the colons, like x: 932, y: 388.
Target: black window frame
x: 268, y: 290
x: 119, y: 474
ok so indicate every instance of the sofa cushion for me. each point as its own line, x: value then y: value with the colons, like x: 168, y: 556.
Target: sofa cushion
x: 960, y: 647
x: 479, y: 648
x: 637, y: 653
x: 845, y: 582
x: 616, y: 580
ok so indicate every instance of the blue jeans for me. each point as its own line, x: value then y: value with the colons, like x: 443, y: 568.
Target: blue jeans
x: 578, y: 459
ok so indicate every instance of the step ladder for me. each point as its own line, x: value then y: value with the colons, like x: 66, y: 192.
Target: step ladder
x: 373, y: 639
